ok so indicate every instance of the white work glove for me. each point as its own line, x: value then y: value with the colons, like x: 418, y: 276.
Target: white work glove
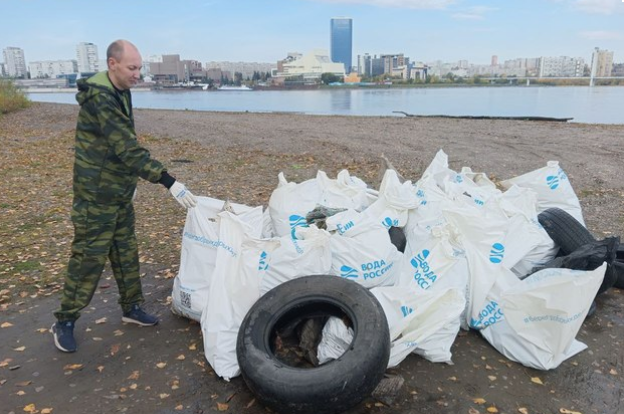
x: 183, y: 195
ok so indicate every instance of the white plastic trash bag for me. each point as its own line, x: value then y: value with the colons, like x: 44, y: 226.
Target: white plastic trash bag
x: 307, y: 254
x: 364, y: 253
x: 520, y: 205
x: 483, y: 239
x: 200, y: 242
x: 290, y: 202
x: 415, y: 319
x: 439, y: 262
x: 553, y: 189
x: 235, y: 287
x: 543, y: 314
x: 395, y: 201
x: 336, y: 338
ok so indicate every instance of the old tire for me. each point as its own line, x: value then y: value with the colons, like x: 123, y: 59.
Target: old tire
x: 566, y: 231
x: 330, y: 388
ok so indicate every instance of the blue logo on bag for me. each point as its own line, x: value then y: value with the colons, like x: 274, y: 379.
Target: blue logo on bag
x: 458, y: 179
x: 489, y: 315
x: 497, y: 252
x: 348, y: 272
x: 422, y: 257
x: 388, y: 222
x: 262, y: 263
x: 421, y: 194
x: 553, y: 180
x: 423, y: 275
x: 296, y: 221
x: 406, y: 310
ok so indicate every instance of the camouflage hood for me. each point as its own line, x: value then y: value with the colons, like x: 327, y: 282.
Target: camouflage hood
x: 91, y: 87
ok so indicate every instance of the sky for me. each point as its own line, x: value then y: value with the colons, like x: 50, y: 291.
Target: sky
x: 267, y: 30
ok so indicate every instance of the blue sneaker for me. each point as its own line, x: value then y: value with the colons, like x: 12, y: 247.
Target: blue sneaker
x: 138, y: 316
x: 64, y: 336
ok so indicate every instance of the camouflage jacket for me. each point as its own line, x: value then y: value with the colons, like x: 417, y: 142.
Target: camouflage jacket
x: 108, y: 157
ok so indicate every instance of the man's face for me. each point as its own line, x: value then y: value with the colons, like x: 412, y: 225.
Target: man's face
x: 126, y: 72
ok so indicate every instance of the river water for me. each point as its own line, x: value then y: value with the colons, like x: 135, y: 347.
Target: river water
x: 600, y: 104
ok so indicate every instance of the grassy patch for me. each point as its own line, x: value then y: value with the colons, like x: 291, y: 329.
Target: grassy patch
x: 11, y: 98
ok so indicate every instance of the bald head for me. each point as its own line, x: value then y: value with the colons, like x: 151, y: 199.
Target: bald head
x: 124, y: 64
x: 117, y: 49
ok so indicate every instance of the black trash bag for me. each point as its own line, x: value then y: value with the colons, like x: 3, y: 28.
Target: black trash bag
x: 397, y: 237
x: 589, y: 257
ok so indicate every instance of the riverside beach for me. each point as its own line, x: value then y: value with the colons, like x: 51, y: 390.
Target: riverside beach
x: 237, y: 156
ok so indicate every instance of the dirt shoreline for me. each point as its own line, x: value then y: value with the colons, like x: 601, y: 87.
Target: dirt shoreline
x: 238, y: 156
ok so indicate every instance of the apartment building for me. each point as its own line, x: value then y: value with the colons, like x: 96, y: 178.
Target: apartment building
x: 602, y: 63
x: 87, y: 57
x: 14, y: 62
x: 52, y: 68
x: 561, y: 66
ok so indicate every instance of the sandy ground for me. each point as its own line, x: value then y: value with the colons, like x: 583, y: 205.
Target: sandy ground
x: 238, y: 156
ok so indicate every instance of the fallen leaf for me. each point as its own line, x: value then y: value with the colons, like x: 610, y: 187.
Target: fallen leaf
x: 43, y: 330
x: 114, y: 349
x: 473, y: 411
x: 523, y: 410
x: 134, y: 375
x: 20, y: 349
x: 222, y: 407
x: 30, y: 408
x: 24, y: 383
x: 163, y: 396
x: 452, y: 378
x: 179, y: 407
x: 100, y: 368
x: 161, y: 365
x: 192, y: 347
x: 133, y: 386
x: 250, y: 403
x: 100, y: 321
x: 72, y: 366
x: 492, y: 377
x: 47, y: 410
x: 492, y: 409
x: 479, y: 401
x: 564, y: 411
x: 613, y: 371
x: 20, y: 393
x: 537, y: 380
x: 181, y: 357
x: 6, y: 325
x: 118, y: 332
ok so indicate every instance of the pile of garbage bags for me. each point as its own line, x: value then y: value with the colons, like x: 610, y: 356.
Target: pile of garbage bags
x: 471, y: 253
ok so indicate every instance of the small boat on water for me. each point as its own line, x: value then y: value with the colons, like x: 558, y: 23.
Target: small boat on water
x: 235, y: 88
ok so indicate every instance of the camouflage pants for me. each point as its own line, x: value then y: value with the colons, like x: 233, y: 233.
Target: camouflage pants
x: 101, y: 232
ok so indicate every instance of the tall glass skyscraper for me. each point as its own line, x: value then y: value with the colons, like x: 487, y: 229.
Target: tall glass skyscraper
x: 341, y: 33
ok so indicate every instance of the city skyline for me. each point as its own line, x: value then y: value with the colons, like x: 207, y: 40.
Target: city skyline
x: 246, y: 30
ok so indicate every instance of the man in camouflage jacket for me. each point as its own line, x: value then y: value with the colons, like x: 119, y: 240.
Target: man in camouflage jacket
x: 108, y: 162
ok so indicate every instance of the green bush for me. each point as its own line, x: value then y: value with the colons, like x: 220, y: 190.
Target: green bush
x: 11, y: 98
